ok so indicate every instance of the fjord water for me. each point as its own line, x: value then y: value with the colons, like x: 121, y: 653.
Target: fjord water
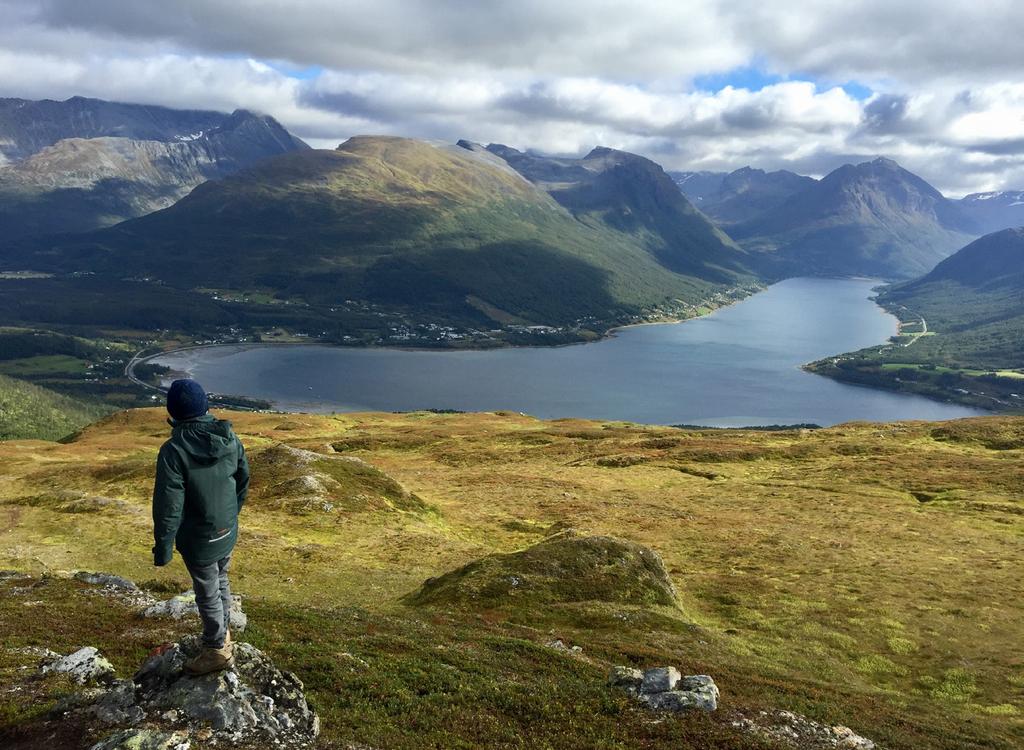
x: 738, y: 366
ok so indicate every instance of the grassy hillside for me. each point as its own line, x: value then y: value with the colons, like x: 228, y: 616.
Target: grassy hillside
x: 29, y: 411
x: 864, y: 574
x: 441, y: 233
x: 962, y: 329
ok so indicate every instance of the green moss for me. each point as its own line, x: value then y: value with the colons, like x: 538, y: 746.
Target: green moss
x: 564, y: 568
x: 958, y: 686
x: 901, y: 645
x: 877, y: 665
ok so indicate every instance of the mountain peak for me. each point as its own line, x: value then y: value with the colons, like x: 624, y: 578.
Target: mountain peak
x: 886, y: 162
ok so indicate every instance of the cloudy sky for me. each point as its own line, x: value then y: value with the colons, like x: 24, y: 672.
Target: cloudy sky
x: 693, y: 84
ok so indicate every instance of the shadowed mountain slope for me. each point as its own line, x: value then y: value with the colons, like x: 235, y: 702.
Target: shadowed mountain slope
x: 874, y: 218
x: 741, y: 195
x: 83, y: 164
x: 634, y: 196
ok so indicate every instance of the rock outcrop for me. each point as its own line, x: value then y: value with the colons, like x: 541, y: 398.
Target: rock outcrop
x: 300, y: 481
x: 144, y: 739
x: 665, y: 689
x: 793, y: 730
x: 253, y: 704
x: 564, y: 568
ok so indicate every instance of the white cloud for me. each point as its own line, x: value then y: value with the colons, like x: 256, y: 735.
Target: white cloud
x: 562, y: 77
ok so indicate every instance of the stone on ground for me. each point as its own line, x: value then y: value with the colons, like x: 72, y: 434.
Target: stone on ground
x: 184, y: 605
x: 664, y: 689
x: 659, y: 680
x: 116, y: 587
x: 626, y: 678
x: 83, y: 666
x: 252, y: 702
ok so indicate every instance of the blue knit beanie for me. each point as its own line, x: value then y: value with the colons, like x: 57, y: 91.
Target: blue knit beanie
x: 186, y: 399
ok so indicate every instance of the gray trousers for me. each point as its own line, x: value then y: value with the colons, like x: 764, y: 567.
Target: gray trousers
x: 213, y: 598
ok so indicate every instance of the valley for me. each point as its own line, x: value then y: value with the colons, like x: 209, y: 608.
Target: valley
x: 491, y: 376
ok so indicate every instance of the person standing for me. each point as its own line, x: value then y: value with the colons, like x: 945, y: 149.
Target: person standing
x: 202, y: 478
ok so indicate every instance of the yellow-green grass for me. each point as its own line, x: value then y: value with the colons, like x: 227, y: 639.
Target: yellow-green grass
x: 866, y: 574
x: 44, y: 364
x: 962, y: 371
x: 30, y: 411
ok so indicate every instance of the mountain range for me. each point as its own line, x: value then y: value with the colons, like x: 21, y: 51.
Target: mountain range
x: 443, y: 232
x: 997, y: 210
x: 82, y: 164
x: 873, y: 218
x: 397, y: 231
x: 747, y: 193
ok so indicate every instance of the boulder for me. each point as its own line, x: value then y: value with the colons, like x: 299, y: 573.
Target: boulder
x: 626, y: 678
x: 184, y: 605
x: 659, y: 680
x: 83, y: 666
x: 664, y: 689
x: 691, y: 692
x: 253, y: 704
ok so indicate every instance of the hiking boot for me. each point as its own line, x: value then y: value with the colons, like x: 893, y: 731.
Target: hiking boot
x: 210, y: 660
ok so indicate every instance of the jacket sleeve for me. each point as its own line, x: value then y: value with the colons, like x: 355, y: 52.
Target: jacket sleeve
x: 168, y: 504
x: 241, y: 474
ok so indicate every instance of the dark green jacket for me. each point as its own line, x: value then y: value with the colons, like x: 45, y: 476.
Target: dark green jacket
x: 202, y: 477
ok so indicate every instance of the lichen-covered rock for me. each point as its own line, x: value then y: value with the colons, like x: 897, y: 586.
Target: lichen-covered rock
x: 664, y: 689
x: 793, y: 730
x: 253, y: 702
x: 82, y: 666
x: 144, y: 739
x: 659, y: 680
x: 626, y: 678
x: 184, y: 605
x: 692, y: 692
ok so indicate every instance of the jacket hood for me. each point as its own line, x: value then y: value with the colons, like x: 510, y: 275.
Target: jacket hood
x: 205, y: 439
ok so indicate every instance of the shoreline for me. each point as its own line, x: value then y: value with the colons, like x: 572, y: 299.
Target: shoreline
x: 191, y: 356
x: 608, y: 334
